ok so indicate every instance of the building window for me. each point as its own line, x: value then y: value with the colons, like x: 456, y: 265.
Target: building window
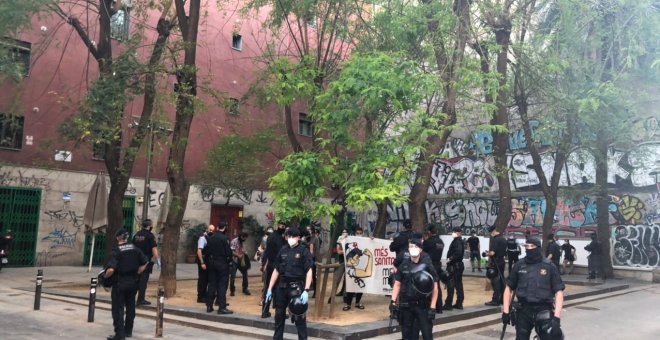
x: 237, y: 42
x: 119, y: 24
x: 305, y: 127
x: 234, y: 106
x: 18, y: 52
x: 11, y: 131
x: 98, y: 150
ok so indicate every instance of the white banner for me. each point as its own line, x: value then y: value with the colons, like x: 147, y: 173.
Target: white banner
x: 368, y: 265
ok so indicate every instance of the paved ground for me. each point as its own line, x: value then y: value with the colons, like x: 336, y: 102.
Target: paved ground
x: 629, y: 316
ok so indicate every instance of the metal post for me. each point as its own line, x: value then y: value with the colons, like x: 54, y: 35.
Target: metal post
x: 37, y: 289
x: 92, y: 300
x: 147, y: 176
x: 160, y: 308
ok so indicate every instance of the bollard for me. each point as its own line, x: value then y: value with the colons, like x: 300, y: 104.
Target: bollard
x: 37, y: 289
x: 92, y: 299
x: 160, y: 308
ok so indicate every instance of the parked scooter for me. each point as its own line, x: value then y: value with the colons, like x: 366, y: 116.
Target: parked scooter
x: 5, y: 240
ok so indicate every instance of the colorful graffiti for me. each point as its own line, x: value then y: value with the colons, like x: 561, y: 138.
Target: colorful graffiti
x: 637, y: 246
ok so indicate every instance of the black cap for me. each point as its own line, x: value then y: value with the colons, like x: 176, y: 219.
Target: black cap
x: 121, y: 233
x: 430, y: 227
x: 416, y: 239
x: 533, y: 240
x: 293, y: 232
x: 457, y: 230
x: 147, y: 222
x: 491, y: 228
x: 407, y: 224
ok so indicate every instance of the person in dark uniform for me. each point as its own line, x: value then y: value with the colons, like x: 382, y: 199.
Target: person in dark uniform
x: 274, y: 244
x: 455, y: 268
x: 569, y: 257
x: 127, y: 262
x: 537, y: 283
x: 291, y: 279
x: 434, y: 246
x: 400, y: 243
x: 593, y: 260
x: 217, y: 262
x: 145, y: 241
x: 202, y: 268
x: 496, y: 253
x: 512, y: 251
x: 416, y: 288
x: 554, y: 251
x: 475, y: 251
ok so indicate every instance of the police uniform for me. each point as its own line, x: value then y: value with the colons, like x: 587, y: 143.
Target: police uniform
x: 218, y: 256
x: 400, y: 243
x: 292, y: 265
x: 455, y: 268
x: 535, y: 284
x: 555, y: 251
x: 126, y: 261
x: 512, y: 252
x: 414, y: 307
x: 497, y: 245
x: 145, y: 241
x: 434, y: 247
x: 274, y: 243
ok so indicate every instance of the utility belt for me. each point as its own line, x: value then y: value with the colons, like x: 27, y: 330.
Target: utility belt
x: 414, y: 303
x: 218, y: 259
x: 537, y: 306
x: 291, y: 283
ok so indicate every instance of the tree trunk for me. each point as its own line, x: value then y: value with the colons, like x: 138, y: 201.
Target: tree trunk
x: 290, y: 132
x: 381, y: 220
x: 446, y: 64
x: 185, y: 111
x: 602, y: 204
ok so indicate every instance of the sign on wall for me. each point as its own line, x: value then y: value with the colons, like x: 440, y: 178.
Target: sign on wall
x: 368, y: 265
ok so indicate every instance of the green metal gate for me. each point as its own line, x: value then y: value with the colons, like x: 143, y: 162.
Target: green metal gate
x: 19, y: 212
x: 128, y: 208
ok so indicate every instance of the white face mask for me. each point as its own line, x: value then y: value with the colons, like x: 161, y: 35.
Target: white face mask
x: 454, y: 235
x: 414, y: 252
x: 292, y: 242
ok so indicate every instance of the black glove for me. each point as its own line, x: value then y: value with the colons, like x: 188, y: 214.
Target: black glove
x: 431, y: 314
x: 394, y: 310
x: 506, y: 318
x: 556, y: 323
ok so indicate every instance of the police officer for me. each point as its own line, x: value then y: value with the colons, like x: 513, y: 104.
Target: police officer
x: 274, y: 244
x: 593, y: 260
x: 127, y: 262
x: 455, y: 269
x: 202, y: 268
x: 496, y: 253
x: 400, y: 243
x: 416, y: 288
x: 291, y: 280
x: 145, y: 241
x: 217, y: 263
x: 537, y: 284
x: 512, y: 251
x: 554, y: 251
x: 434, y: 246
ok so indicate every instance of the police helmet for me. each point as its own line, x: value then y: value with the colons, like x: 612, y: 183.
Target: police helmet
x: 422, y: 282
x: 444, y: 276
x: 547, y: 331
x: 296, y: 307
x: 106, y: 282
x: 491, y: 272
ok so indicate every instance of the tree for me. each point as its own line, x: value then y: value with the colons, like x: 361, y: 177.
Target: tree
x: 120, y: 79
x: 185, y: 93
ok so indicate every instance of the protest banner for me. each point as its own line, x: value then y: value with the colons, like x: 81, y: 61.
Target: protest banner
x: 368, y: 265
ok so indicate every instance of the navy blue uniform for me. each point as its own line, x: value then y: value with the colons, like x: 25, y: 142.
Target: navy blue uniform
x: 292, y: 264
x: 434, y: 246
x: 126, y: 260
x: 498, y: 244
x: 512, y: 252
x: 274, y: 243
x: 218, y: 255
x: 414, y: 306
x: 535, y: 285
x: 146, y: 242
x: 455, y: 268
x: 555, y: 250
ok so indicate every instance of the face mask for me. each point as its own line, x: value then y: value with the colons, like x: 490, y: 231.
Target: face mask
x: 292, y: 242
x: 414, y: 252
x: 533, y: 255
x: 454, y: 235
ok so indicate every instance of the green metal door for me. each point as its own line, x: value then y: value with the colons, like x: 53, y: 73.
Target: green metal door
x: 128, y: 208
x: 19, y: 212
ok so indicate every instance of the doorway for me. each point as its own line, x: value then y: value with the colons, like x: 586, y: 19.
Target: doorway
x: 230, y: 215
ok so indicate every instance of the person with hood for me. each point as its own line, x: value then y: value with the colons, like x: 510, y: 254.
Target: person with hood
x: 540, y: 291
x: 415, y: 292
